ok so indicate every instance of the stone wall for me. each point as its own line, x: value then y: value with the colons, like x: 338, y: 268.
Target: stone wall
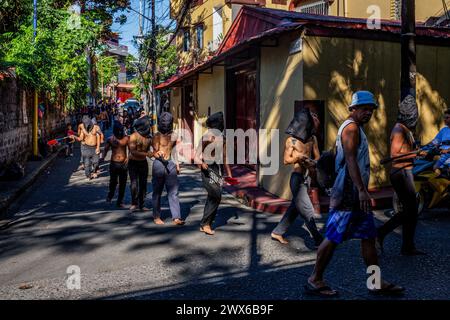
x: 15, y: 126
x: 16, y: 116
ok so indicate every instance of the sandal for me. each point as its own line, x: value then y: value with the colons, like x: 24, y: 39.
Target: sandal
x: 312, y: 290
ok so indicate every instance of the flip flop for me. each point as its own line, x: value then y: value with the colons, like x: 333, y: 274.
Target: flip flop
x: 390, y: 290
x: 310, y: 289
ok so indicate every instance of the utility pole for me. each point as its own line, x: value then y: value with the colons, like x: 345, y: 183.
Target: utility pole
x: 408, y: 56
x: 153, y: 62
x: 35, y: 100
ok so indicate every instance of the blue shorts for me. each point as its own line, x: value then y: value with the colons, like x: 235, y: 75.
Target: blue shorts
x: 345, y: 225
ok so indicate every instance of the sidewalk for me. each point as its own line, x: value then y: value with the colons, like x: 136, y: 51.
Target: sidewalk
x: 11, y: 190
x: 257, y: 198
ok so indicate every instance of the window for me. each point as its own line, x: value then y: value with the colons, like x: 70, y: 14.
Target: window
x: 186, y: 40
x: 199, y: 34
x: 318, y: 7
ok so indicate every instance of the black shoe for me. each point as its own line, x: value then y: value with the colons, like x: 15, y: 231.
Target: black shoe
x: 412, y: 252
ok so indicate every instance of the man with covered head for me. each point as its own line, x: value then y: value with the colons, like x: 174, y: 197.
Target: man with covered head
x: 118, y: 166
x: 139, y: 149
x: 165, y: 170
x: 301, y: 150
x: 402, y: 178
x: 211, y: 159
x: 89, y: 137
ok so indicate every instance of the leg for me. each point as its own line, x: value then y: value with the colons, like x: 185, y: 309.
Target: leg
x: 122, y: 185
x: 212, y: 203
x: 133, y: 183
x: 292, y: 213
x: 158, y: 181
x: 324, y: 256
x: 408, y: 198
x: 143, y: 175
x: 88, y: 163
x: 172, y: 193
x: 113, y: 175
x: 306, y: 209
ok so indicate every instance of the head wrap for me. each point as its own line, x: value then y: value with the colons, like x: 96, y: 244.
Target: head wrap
x: 215, y: 121
x: 302, y: 126
x: 87, y: 122
x: 143, y: 126
x: 165, y: 123
x: 408, y: 113
x: 118, y: 130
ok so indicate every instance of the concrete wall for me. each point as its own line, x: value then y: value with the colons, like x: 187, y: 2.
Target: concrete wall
x: 280, y: 85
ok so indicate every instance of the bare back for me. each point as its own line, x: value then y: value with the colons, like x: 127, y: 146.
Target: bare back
x: 140, y: 144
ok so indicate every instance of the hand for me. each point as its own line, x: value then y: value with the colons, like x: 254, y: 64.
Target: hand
x: 125, y: 162
x: 422, y: 153
x: 178, y: 169
x: 159, y: 154
x: 97, y: 151
x: 365, y: 201
x: 204, y: 166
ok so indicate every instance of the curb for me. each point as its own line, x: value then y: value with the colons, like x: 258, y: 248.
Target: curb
x: 27, y: 182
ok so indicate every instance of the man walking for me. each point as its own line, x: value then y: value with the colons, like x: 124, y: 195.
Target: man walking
x: 350, y: 215
x: 298, y: 150
x: 139, y: 146
x: 402, y: 180
x: 90, y: 147
x: 118, y: 166
x: 165, y: 170
x: 210, y: 164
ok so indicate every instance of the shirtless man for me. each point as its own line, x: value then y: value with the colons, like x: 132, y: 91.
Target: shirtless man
x: 90, y: 144
x: 299, y: 148
x: 402, y: 179
x: 165, y: 170
x: 118, y: 143
x: 211, y: 168
x: 139, y: 149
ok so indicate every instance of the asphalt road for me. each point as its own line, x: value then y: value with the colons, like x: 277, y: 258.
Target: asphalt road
x: 63, y: 220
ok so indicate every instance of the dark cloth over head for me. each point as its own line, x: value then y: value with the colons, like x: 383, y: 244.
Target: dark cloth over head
x: 118, y: 130
x: 165, y: 123
x: 215, y: 121
x: 143, y: 126
x: 408, y: 113
x: 87, y: 122
x: 302, y: 126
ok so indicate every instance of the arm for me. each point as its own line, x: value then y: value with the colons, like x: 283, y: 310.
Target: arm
x: 198, y: 158
x: 350, y: 141
x: 97, y: 149
x: 225, y: 161
x: 289, y: 151
x: 107, y: 147
x: 156, y: 146
x: 316, y: 152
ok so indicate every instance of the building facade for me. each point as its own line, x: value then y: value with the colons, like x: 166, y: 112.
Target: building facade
x: 273, y: 61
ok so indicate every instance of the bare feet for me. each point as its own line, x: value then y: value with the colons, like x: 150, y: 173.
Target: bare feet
x: 178, y: 222
x: 158, y: 221
x: 207, y: 229
x: 279, y: 238
x: 121, y: 206
x: 144, y: 209
x: 133, y: 209
x: 94, y: 176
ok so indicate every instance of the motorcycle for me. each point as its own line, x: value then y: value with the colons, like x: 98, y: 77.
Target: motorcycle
x: 433, y: 190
